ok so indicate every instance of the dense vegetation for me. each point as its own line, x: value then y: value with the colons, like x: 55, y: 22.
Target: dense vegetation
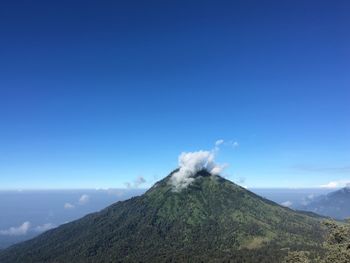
x: 336, y: 247
x: 212, y: 220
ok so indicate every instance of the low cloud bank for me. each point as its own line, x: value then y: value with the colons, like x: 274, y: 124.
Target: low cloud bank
x: 16, y: 231
x: 336, y: 184
x: 25, y: 228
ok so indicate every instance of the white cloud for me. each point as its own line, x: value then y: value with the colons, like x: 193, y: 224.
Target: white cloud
x: 218, y: 169
x: 287, y: 203
x: 330, y: 185
x: 16, y: 231
x: 44, y: 227
x: 336, y: 184
x: 84, y: 199
x: 68, y: 206
x: 219, y: 142
x: 233, y: 144
x: 192, y: 162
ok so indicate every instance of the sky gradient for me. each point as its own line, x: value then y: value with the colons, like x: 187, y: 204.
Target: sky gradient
x: 95, y: 94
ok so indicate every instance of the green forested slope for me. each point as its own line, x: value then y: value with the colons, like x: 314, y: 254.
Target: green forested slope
x: 211, y: 220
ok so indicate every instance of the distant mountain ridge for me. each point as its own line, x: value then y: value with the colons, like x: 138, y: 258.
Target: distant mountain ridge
x: 335, y: 204
x: 211, y: 220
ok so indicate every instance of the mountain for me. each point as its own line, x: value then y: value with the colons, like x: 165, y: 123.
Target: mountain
x: 335, y: 204
x: 210, y: 220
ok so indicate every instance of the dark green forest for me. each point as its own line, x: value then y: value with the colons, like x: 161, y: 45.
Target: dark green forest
x: 212, y: 220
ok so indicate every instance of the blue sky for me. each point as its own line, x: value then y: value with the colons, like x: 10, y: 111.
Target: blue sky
x: 97, y: 93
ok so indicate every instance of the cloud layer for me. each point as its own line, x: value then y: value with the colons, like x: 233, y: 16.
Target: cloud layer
x: 26, y: 227
x: 16, y: 231
x: 336, y: 184
x: 192, y: 162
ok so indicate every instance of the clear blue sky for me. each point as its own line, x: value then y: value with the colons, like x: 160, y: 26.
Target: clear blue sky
x: 97, y: 93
